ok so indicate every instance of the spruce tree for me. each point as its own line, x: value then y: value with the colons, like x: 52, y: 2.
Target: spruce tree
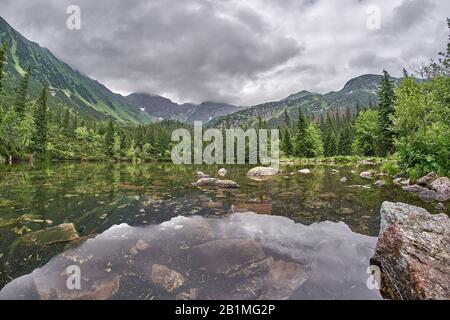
x: 21, y: 95
x: 386, y: 98
x: 300, y: 133
x: 109, y: 139
x: 286, y: 142
x: 39, y: 140
x: 329, y: 138
x: 344, y: 144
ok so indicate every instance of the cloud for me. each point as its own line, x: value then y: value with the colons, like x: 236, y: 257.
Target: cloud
x: 242, y: 52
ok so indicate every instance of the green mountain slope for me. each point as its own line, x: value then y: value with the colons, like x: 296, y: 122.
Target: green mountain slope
x: 360, y: 91
x: 68, y: 87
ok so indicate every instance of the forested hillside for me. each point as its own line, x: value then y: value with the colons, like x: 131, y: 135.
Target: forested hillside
x: 67, y: 87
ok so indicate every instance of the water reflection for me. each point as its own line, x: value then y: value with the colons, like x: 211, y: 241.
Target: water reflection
x: 94, y: 197
x: 238, y: 256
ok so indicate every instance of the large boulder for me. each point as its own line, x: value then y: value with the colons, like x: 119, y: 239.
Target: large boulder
x: 262, y: 172
x: 213, y: 183
x: 442, y: 188
x: 413, y: 252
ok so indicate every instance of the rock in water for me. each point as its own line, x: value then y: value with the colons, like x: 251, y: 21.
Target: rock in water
x: 425, y: 194
x: 168, y: 279
x: 428, y: 179
x: 304, y: 171
x: 222, y: 172
x: 284, y: 278
x: 366, y: 175
x: 344, y: 179
x: 54, y: 287
x: 190, y: 294
x: 413, y: 252
x: 262, y: 172
x: 224, y: 256
x: 442, y: 188
x: 61, y: 233
x: 214, y: 183
x: 365, y: 163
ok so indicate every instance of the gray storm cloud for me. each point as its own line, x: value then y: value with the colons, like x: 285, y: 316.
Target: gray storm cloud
x: 241, y: 52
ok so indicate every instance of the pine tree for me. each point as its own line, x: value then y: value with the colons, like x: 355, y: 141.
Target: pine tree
x: 344, y: 144
x: 22, y: 92
x: 300, y: 132
x: 39, y: 140
x: 329, y: 137
x: 286, y: 142
x: 386, y: 98
x: 109, y: 139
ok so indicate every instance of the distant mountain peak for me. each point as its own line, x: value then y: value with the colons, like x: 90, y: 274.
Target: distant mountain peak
x: 298, y: 95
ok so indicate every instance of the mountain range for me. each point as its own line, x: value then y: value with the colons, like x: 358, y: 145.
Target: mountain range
x: 91, y: 99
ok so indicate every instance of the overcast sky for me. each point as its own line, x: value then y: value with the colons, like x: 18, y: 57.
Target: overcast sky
x: 235, y: 51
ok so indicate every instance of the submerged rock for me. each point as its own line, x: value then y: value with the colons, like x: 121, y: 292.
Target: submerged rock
x: 214, y: 183
x: 284, y: 277
x: 54, y: 287
x: 413, y: 253
x: 304, y: 171
x: 61, y: 233
x: 344, y: 179
x: 328, y: 196
x: 262, y: 172
x: 440, y: 206
x: 168, y: 279
x: 190, y: 294
x: 224, y: 256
